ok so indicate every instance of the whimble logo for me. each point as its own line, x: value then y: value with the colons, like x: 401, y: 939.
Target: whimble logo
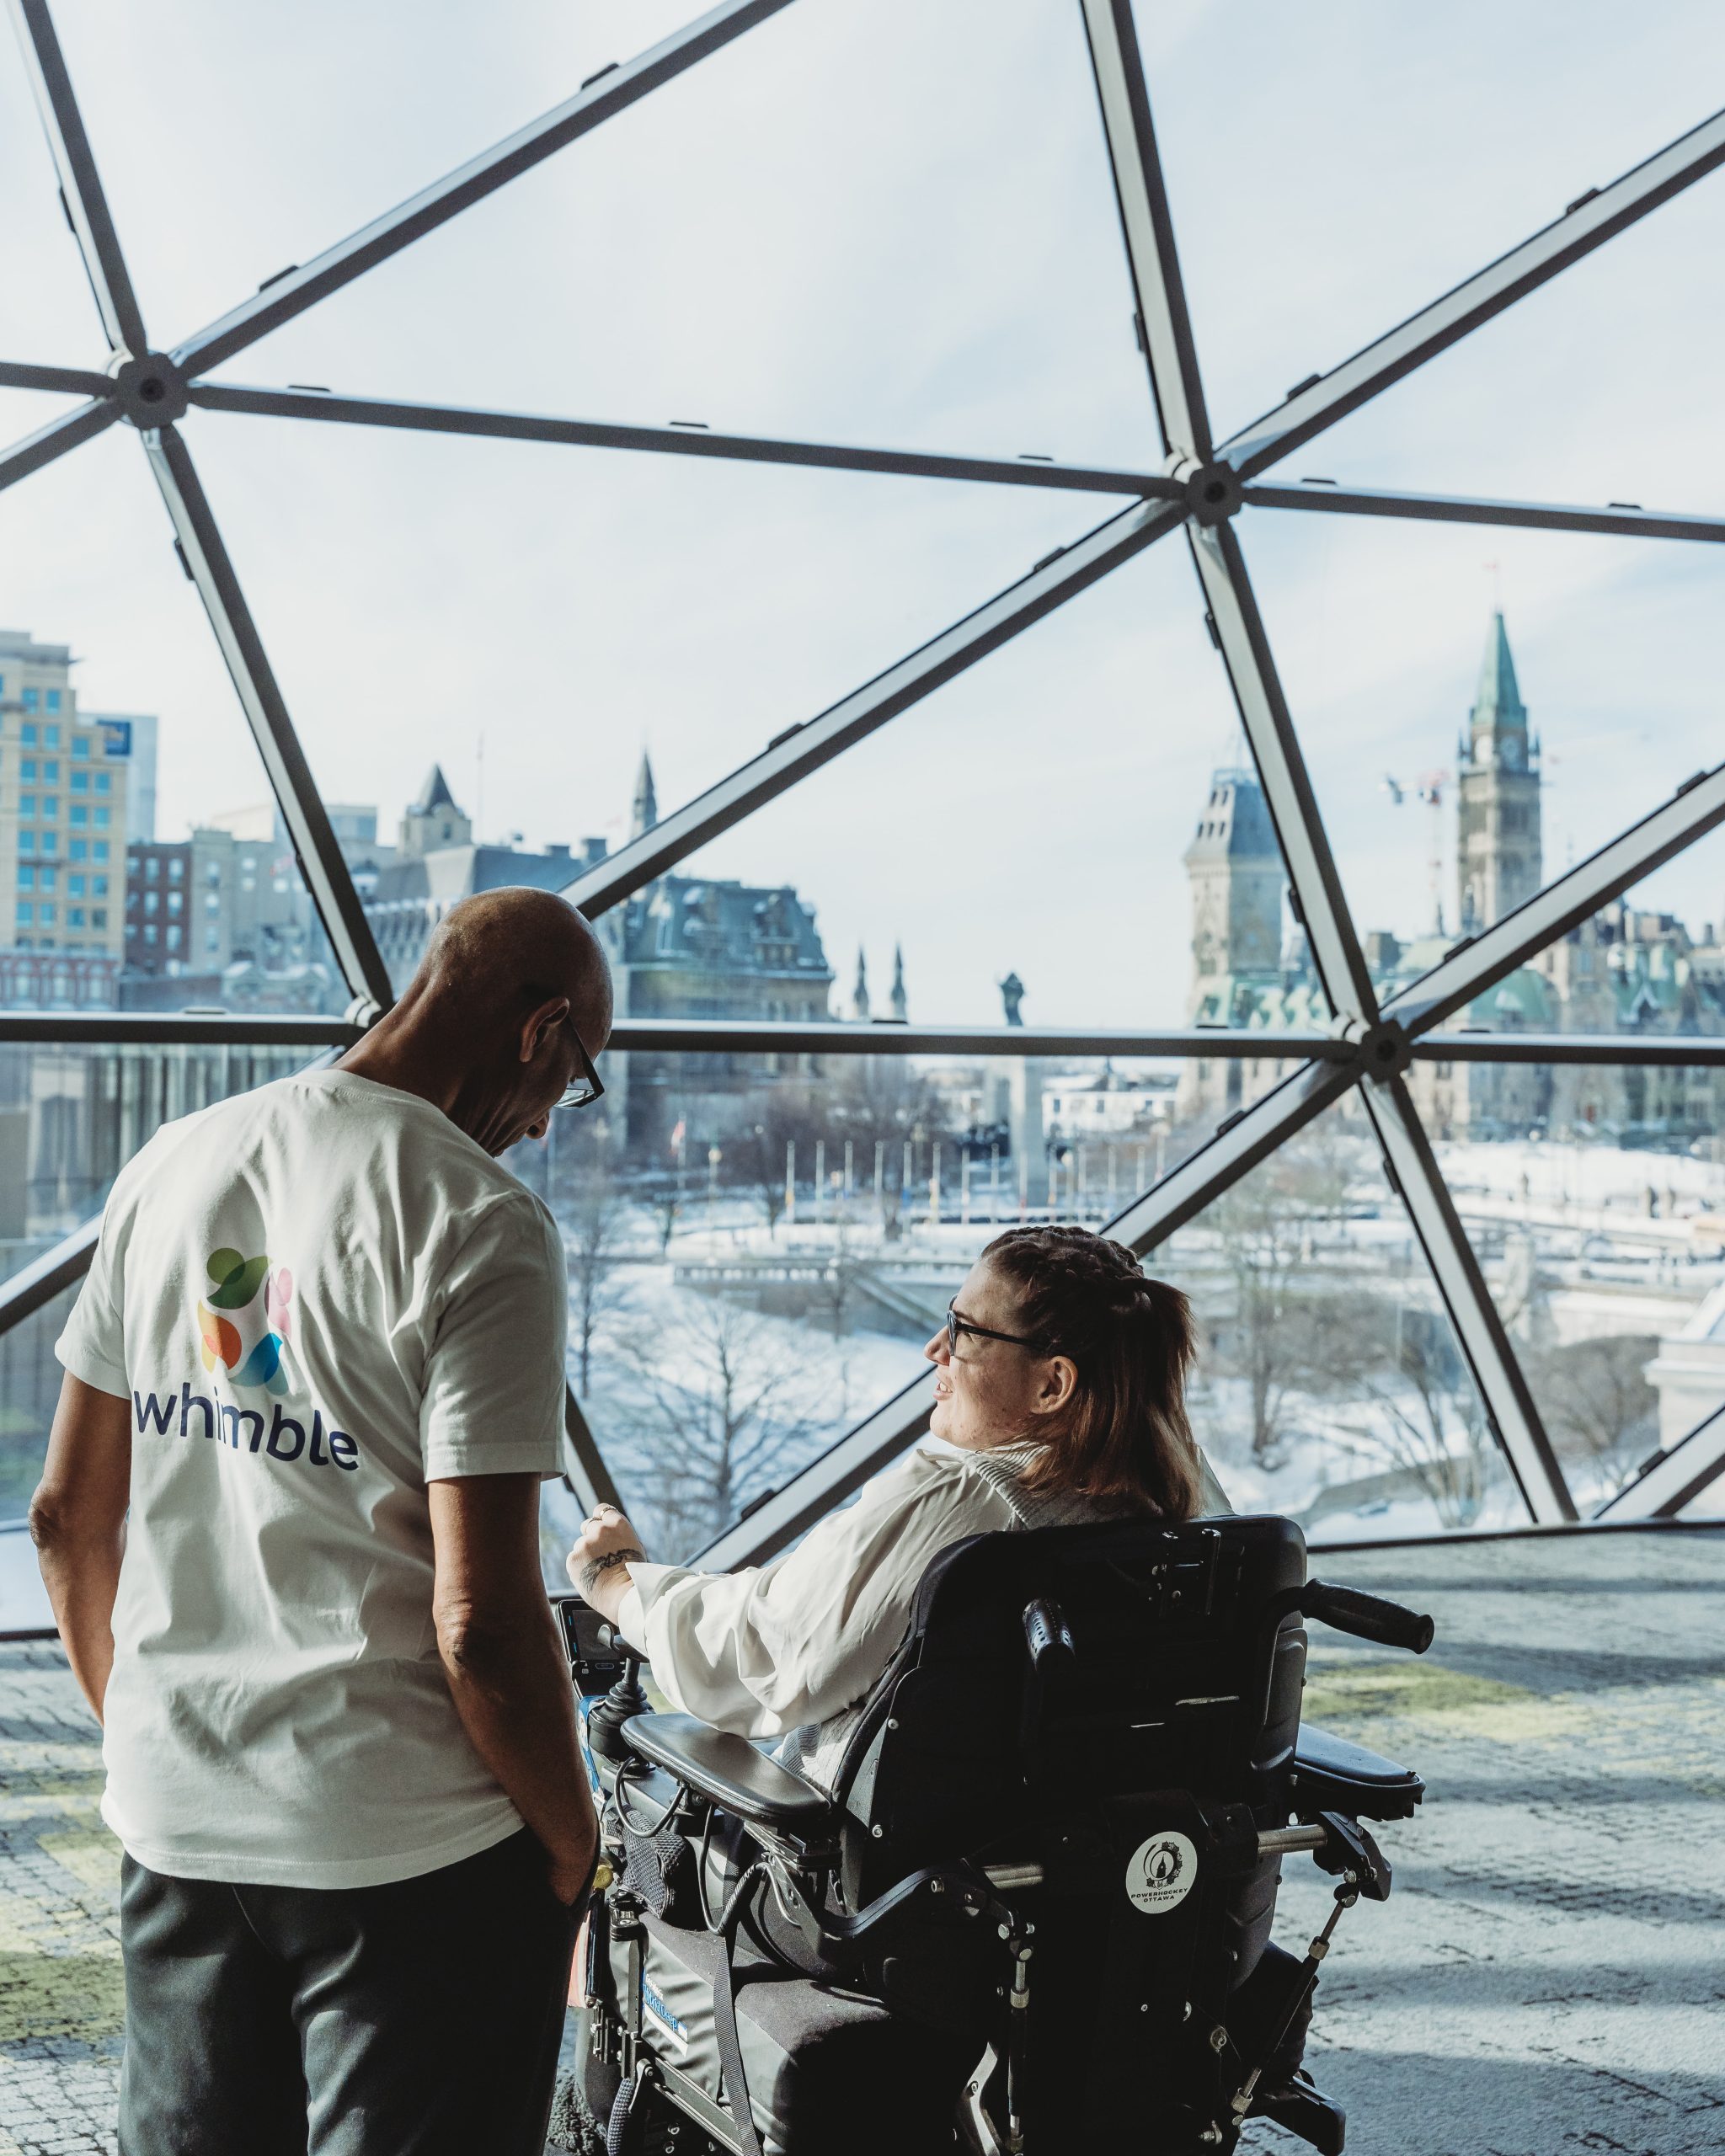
x: 248, y: 1342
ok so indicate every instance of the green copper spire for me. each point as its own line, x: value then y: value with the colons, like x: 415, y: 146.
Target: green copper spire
x: 1497, y: 708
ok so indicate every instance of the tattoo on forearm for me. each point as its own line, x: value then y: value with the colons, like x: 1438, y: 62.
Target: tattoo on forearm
x: 612, y: 1559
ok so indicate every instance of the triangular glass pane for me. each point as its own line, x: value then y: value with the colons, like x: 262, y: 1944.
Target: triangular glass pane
x: 1590, y: 390
x: 123, y: 886
x: 1076, y: 811
x: 861, y: 221
x: 1593, y: 1195
x: 245, y: 142
x: 1480, y: 711
x: 141, y: 865
x: 530, y: 623
x: 1374, y: 160
x: 759, y: 1246
x: 1331, y: 1386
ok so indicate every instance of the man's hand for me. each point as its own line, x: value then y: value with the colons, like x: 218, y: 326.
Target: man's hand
x: 599, y: 1563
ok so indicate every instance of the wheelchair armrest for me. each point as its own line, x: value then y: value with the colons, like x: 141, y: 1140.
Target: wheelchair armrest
x: 731, y: 1773
x: 1332, y: 1775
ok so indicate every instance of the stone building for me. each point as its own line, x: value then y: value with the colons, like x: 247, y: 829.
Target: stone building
x: 1498, y: 861
x: 683, y: 947
x: 1623, y: 971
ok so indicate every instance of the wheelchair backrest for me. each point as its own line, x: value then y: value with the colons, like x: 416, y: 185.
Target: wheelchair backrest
x: 1135, y: 1770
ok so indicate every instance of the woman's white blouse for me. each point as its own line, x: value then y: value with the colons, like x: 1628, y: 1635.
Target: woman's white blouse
x: 783, y: 1645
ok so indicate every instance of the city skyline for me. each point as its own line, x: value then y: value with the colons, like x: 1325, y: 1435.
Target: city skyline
x: 707, y: 610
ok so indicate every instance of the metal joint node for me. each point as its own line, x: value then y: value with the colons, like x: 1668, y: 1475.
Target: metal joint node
x: 1214, y: 492
x: 1384, y: 1050
x: 151, y: 392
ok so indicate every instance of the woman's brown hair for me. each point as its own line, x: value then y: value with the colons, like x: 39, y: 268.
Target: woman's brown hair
x: 1125, y: 1438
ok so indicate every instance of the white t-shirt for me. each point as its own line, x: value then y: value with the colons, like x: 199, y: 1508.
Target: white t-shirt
x: 318, y: 1297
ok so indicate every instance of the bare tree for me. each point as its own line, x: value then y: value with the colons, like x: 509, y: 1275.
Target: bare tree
x: 1427, y: 1424
x: 783, y: 1115
x: 714, y: 1428
x: 596, y: 1221
x: 1275, y: 1336
x: 1597, y: 1402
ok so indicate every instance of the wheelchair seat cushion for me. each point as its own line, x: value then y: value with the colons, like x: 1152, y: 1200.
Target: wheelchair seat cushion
x: 830, y: 2073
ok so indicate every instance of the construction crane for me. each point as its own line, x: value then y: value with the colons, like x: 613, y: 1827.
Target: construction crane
x: 1429, y: 787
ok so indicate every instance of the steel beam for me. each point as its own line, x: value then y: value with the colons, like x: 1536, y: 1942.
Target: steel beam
x: 175, y: 1028
x: 36, y: 1284
x: 606, y: 94
x: 1164, y: 326
x: 676, y: 440
x: 584, y: 1464
x: 1696, y: 807
x: 71, y: 382
x: 80, y: 184
x: 55, y: 439
x: 813, y: 1492
x: 1671, y: 1480
x: 1315, y: 888
x: 1479, y: 1330
x: 1239, y: 1145
x: 803, y: 749
x: 321, y: 863
x: 1589, y: 221
x: 1477, y: 1045
x: 1617, y: 519
x: 886, y: 1036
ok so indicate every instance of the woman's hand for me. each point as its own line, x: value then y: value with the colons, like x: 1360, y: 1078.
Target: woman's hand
x: 599, y: 1563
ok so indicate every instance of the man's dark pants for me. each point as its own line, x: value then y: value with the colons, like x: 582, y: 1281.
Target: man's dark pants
x: 420, y: 2018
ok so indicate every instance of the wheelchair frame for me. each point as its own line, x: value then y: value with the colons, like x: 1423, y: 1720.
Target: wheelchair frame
x: 796, y: 1833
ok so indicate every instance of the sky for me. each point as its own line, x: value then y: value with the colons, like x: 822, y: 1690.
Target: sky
x: 891, y: 222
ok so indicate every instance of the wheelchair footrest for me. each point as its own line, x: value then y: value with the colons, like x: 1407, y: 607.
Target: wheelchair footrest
x: 1300, y: 2108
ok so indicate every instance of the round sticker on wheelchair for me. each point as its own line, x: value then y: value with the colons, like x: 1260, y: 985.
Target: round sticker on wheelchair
x: 1160, y: 1873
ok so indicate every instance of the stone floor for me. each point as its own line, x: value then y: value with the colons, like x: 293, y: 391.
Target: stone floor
x: 1548, y: 1975
x: 1547, y: 1980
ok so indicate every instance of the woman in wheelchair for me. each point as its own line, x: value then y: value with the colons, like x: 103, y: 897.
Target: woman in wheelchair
x: 1059, y: 1382
x: 1058, y: 1389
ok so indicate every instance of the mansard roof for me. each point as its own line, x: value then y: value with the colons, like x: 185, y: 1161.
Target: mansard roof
x: 690, y: 921
x: 456, y: 872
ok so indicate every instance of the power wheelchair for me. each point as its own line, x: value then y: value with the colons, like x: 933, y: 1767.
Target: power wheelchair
x: 1035, y: 1916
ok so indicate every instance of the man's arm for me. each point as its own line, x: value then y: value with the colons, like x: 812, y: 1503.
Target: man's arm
x: 77, y: 1521
x: 505, y: 1663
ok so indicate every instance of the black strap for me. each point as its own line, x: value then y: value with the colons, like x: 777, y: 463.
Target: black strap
x: 708, y: 1954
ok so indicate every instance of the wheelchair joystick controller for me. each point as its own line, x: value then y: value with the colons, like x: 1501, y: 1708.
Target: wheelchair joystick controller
x: 604, y: 1722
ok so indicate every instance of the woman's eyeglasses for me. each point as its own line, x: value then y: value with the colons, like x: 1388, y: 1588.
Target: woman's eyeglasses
x: 586, y: 1086
x: 956, y: 1324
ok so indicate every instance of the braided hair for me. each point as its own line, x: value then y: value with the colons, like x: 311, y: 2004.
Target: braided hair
x: 1126, y: 1438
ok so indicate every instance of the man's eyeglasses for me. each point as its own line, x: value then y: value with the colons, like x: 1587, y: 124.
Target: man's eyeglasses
x: 956, y: 1324
x: 586, y: 1086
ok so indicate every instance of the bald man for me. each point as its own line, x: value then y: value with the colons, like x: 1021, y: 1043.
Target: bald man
x: 288, y: 1522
